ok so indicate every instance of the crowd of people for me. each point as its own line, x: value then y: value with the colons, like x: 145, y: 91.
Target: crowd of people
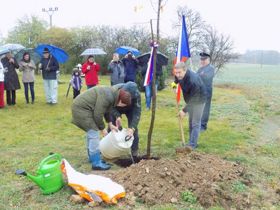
x: 110, y: 102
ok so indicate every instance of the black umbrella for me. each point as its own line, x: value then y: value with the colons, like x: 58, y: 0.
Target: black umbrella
x: 162, y: 59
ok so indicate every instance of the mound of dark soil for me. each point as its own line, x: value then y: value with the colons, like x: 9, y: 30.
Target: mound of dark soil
x: 162, y: 181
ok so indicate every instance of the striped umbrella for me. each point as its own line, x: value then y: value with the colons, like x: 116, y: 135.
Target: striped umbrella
x: 94, y: 51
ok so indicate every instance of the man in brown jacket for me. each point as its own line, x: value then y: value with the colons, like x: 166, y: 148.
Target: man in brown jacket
x: 88, y: 110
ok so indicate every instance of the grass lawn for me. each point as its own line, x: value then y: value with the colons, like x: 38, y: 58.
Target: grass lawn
x: 244, y: 127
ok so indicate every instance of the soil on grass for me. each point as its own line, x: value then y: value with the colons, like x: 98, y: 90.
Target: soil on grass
x: 163, y: 181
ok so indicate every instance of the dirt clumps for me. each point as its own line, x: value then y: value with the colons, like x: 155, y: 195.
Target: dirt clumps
x: 163, y: 181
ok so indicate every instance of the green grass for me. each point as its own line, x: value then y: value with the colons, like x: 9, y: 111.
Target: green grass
x: 244, y: 96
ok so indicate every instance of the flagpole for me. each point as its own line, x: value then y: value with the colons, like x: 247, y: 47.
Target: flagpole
x: 183, y: 52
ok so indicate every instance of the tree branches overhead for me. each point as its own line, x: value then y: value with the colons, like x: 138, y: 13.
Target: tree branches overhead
x: 203, y: 37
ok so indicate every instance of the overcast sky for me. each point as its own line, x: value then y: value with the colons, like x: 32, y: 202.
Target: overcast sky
x: 252, y: 24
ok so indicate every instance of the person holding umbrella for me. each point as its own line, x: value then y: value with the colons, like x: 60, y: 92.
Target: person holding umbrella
x: 130, y: 67
x: 117, y: 69
x: 27, y: 66
x: 49, y: 67
x: 90, y: 68
x: 11, y: 81
x: 88, y: 110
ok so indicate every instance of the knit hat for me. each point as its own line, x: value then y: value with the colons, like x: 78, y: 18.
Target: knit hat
x: 124, y: 97
x: 75, y: 70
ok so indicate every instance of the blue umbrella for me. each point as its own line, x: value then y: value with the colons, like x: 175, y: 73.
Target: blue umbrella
x: 94, y: 51
x: 60, y: 55
x: 124, y: 49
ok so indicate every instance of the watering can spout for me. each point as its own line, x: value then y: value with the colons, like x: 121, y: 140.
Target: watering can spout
x: 37, y: 179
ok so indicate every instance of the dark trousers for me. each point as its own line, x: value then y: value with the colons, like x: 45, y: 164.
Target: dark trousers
x: 129, y: 115
x: 129, y: 80
x: 76, y: 93
x: 31, y: 86
x: 2, y: 102
x: 206, y: 112
x: 11, y: 97
x: 90, y: 86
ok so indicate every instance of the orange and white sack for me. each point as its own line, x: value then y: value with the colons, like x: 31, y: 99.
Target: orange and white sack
x: 93, y: 187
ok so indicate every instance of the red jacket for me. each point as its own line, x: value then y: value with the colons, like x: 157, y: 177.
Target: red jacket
x: 91, y: 75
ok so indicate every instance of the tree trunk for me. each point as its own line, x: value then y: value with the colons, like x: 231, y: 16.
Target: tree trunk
x: 153, y: 83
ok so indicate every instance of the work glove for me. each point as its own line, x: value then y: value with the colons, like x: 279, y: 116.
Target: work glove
x: 173, y: 85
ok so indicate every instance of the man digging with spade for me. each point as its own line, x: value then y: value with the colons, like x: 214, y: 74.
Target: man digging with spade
x: 195, y: 96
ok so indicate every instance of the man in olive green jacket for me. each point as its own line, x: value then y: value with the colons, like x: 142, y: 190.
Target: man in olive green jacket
x: 88, y: 110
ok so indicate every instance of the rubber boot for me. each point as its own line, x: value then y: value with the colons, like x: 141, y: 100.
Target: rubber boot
x: 103, y: 161
x: 97, y: 162
x: 106, y: 163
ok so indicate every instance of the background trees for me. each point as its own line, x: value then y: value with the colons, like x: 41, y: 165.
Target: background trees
x: 203, y: 37
x: 29, y: 31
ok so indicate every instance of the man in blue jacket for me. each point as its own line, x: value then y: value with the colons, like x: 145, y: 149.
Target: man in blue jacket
x: 206, y: 73
x: 194, y: 95
x: 49, y: 67
x: 132, y: 112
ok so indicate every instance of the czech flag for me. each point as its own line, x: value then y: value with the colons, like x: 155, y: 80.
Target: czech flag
x: 183, y: 51
x: 149, y: 72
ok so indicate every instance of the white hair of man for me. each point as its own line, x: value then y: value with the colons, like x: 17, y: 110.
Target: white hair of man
x: 181, y: 65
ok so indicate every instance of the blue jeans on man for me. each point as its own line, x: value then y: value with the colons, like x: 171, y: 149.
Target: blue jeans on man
x: 195, y: 113
x: 149, y: 94
x: 94, y: 155
x: 50, y: 86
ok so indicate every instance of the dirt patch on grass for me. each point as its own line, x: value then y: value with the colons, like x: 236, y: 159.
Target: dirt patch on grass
x: 229, y: 86
x: 163, y: 181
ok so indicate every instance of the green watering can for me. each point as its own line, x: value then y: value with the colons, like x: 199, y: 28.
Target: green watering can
x: 49, y: 175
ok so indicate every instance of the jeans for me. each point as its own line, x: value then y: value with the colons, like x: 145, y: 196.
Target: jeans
x: 31, y: 85
x: 195, y: 114
x: 129, y: 115
x: 206, y: 112
x: 11, y: 97
x: 50, y: 87
x: 149, y: 94
x: 92, y: 139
